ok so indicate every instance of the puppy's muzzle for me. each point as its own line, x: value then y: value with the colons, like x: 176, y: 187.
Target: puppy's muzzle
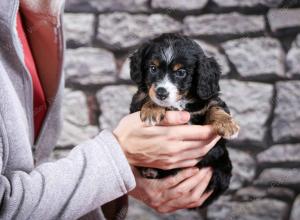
x: 162, y: 93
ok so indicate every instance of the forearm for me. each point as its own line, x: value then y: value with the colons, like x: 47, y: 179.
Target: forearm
x: 94, y: 173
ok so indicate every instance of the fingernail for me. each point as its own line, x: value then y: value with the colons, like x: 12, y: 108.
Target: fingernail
x: 184, y: 116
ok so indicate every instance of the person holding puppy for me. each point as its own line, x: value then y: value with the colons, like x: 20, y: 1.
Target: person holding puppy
x: 97, y: 171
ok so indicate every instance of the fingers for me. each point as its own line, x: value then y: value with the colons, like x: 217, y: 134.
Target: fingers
x: 202, y: 199
x: 150, y: 190
x: 193, y: 132
x: 196, y: 148
x: 188, y: 185
x: 183, y: 164
x: 175, y: 146
x: 185, y: 153
x: 187, y: 132
x: 160, y: 194
x: 197, y: 192
x: 188, y: 199
x: 200, y: 151
x: 172, y: 181
x: 175, y: 118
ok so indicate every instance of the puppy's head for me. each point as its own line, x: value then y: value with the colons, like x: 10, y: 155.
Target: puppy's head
x: 173, y: 68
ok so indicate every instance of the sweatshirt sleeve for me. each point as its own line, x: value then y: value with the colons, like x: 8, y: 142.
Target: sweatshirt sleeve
x: 94, y: 173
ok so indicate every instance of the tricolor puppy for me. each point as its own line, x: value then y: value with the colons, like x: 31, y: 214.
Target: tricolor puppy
x: 173, y: 73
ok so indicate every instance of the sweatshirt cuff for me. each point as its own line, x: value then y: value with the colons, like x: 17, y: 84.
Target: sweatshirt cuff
x: 107, y: 140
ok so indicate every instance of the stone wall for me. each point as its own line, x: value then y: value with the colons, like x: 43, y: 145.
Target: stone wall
x: 257, y: 42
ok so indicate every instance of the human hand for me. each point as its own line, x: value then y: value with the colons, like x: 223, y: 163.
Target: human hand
x: 173, y: 145
x: 184, y: 190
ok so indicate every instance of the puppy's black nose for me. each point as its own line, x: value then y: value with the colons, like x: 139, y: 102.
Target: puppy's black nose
x: 161, y: 93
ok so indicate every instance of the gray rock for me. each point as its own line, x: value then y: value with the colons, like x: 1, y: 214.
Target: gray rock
x: 251, y: 193
x: 243, y: 168
x: 74, y: 100
x: 250, y: 105
x: 223, y: 25
x: 114, y: 104
x: 79, y: 5
x: 284, y: 20
x: 122, y: 5
x: 213, y: 51
x: 178, y: 4
x: 280, y: 154
x: 73, y: 135
x: 139, y: 211
x: 278, y: 177
x: 125, y: 70
x: 265, y: 209
x: 286, y: 122
x: 76, y: 126
x: 295, y: 214
x: 256, y: 58
x: 133, y: 29
x: 281, y: 193
x: 107, y: 6
x: 293, y: 57
x: 78, y: 28
x: 89, y: 66
x: 247, y: 3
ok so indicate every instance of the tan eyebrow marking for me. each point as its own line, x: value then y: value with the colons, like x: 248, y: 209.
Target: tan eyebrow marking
x: 155, y: 62
x: 177, y: 66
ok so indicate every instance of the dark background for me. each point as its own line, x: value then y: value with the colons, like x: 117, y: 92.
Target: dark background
x: 257, y: 42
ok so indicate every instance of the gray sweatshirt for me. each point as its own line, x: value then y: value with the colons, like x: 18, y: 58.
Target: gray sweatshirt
x: 94, y: 173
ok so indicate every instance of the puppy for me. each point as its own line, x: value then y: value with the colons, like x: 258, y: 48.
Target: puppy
x: 173, y: 73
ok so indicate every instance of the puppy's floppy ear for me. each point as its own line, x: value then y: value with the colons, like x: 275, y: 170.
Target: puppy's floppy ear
x: 209, y: 73
x: 136, y: 64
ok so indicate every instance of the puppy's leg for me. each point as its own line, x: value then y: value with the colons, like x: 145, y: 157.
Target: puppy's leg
x: 222, y: 122
x: 152, y: 114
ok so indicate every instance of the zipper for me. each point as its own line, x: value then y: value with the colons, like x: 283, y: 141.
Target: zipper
x: 29, y: 86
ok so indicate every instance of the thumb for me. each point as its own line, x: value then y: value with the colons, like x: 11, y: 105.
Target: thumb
x: 175, y: 118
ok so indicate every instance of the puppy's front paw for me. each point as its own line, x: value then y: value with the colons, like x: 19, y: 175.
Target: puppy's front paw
x: 227, y: 128
x: 152, y: 115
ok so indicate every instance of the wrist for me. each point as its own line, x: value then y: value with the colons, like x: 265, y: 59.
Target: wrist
x: 120, y: 139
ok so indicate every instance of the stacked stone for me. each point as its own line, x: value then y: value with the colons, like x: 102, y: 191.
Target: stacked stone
x: 257, y: 43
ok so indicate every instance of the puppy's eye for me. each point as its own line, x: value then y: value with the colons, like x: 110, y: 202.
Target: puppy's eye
x: 152, y: 69
x: 181, y: 73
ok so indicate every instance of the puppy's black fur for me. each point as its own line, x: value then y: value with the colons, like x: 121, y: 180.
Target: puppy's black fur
x: 180, y: 63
